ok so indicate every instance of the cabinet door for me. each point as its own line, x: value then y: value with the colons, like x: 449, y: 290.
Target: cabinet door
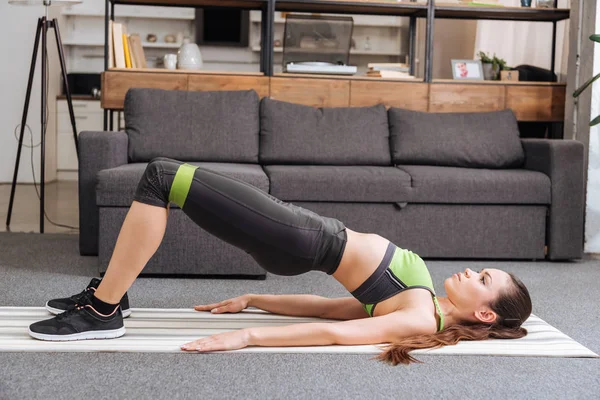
x: 453, y: 97
x: 312, y: 92
x: 537, y: 103
x: 115, y: 85
x: 229, y: 82
x: 407, y: 95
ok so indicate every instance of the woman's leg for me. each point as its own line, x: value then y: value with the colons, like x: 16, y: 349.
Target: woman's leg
x: 283, y: 238
x: 139, y: 238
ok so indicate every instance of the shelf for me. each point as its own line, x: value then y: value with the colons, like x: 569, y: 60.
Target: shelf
x: 453, y: 11
x: 148, y: 45
x: 183, y: 71
x: 520, y: 83
x: 357, y: 52
x: 372, y: 24
x: 245, y: 4
x: 353, y: 7
x: 125, y: 15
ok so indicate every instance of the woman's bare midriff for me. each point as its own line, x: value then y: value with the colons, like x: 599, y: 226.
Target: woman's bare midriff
x: 362, y: 255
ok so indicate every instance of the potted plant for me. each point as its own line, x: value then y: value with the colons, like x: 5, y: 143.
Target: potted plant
x: 491, y: 66
x: 595, y: 121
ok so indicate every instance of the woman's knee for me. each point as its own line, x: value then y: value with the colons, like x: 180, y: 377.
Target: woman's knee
x: 152, y: 188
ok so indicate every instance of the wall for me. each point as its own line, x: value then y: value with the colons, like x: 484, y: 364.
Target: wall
x: 17, y: 33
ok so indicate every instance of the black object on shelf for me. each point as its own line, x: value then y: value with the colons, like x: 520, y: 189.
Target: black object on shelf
x: 532, y: 73
x: 82, y: 83
x: 222, y: 27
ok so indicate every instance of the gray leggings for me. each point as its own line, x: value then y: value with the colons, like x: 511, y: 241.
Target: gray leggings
x: 283, y: 238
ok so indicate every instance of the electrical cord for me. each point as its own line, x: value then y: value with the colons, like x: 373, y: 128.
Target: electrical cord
x: 32, y: 146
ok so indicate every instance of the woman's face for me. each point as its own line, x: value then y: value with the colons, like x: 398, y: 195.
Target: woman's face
x: 471, y: 292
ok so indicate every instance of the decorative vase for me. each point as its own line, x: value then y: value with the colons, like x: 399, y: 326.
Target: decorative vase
x: 489, y: 72
x: 189, y: 56
x: 525, y: 3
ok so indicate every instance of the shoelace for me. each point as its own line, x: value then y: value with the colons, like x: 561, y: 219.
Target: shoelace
x: 65, y: 314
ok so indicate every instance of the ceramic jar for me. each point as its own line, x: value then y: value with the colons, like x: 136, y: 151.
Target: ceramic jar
x: 189, y: 56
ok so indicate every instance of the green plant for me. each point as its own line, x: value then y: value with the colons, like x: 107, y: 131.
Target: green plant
x: 595, y: 121
x: 498, y: 64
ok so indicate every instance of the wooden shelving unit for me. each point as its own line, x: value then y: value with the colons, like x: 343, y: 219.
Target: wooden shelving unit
x: 531, y: 101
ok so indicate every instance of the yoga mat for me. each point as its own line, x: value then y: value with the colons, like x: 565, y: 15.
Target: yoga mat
x: 163, y: 330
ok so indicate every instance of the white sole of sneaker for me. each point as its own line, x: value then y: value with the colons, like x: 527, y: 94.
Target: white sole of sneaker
x: 56, y: 311
x: 112, y: 334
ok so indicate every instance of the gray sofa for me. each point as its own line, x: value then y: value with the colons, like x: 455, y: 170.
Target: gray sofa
x: 446, y: 185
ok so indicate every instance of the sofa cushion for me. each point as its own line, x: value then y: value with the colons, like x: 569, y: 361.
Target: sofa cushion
x: 338, y: 183
x: 485, y: 140
x: 219, y: 126
x: 298, y: 134
x: 116, y: 186
x: 449, y: 185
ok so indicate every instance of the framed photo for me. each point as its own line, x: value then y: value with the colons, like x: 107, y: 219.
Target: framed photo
x: 467, y: 70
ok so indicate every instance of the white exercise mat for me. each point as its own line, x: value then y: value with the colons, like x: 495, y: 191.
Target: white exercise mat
x: 163, y: 330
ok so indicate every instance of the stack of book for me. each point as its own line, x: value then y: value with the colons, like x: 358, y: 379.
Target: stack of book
x: 124, y: 51
x: 389, y: 70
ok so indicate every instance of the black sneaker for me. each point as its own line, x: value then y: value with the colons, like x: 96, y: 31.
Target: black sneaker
x: 58, y: 306
x: 79, y: 323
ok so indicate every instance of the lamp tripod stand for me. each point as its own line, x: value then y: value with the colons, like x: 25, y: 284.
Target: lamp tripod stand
x: 42, y: 30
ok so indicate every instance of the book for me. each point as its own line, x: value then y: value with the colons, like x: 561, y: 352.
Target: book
x: 118, y: 45
x: 111, y: 50
x: 389, y: 74
x: 137, y: 50
x: 133, y: 60
x: 126, y: 47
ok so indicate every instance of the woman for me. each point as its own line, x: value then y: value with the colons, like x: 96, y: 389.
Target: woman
x: 288, y: 240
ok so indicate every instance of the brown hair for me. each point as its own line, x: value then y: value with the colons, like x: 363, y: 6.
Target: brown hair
x: 513, y: 307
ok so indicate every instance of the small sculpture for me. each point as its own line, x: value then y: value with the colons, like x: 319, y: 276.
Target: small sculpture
x: 151, y: 38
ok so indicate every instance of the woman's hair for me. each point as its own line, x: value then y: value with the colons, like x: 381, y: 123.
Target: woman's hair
x: 513, y: 307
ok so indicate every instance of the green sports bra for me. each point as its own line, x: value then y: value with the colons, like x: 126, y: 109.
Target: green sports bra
x: 407, y: 270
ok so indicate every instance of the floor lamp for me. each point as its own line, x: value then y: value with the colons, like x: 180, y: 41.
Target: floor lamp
x: 43, y: 26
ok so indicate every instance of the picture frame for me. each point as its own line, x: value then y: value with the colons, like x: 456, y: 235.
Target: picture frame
x: 471, y: 70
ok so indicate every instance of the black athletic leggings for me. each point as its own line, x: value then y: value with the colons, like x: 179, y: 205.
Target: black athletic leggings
x: 283, y: 238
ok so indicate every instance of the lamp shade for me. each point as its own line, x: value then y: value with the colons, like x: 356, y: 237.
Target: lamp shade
x: 43, y: 2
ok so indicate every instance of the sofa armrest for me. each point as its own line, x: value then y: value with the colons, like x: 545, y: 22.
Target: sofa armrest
x: 97, y: 151
x: 562, y: 161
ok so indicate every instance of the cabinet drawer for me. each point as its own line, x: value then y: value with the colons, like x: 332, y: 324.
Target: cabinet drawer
x: 411, y: 96
x: 312, y: 92
x: 224, y: 82
x: 83, y: 122
x: 466, y: 97
x: 79, y: 106
x: 537, y: 103
x: 116, y: 84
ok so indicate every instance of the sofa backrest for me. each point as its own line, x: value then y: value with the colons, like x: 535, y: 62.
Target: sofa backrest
x: 220, y: 126
x: 478, y: 140
x: 298, y: 134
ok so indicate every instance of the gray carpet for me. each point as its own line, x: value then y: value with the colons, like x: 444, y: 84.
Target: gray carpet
x: 34, y: 268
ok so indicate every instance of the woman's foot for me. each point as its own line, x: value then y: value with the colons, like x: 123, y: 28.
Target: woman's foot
x: 79, y: 323
x: 57, y: 306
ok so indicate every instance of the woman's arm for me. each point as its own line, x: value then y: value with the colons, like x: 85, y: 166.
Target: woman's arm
x: 383, y: 329
x: 306, y: 305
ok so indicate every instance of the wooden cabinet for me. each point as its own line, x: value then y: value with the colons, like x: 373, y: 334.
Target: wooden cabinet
x: 451, y: 97
x: 543, y: 102
x: 314, y: 92
x: 408, y: 95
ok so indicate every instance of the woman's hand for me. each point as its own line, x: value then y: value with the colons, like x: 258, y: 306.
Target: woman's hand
x: 234, y: 305
x: 222, y: 341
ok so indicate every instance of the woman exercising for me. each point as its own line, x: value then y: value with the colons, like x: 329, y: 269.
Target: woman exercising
x: 288, y: 240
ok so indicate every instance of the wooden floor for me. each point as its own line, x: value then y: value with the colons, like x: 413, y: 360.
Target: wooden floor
x: 61, y: 203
